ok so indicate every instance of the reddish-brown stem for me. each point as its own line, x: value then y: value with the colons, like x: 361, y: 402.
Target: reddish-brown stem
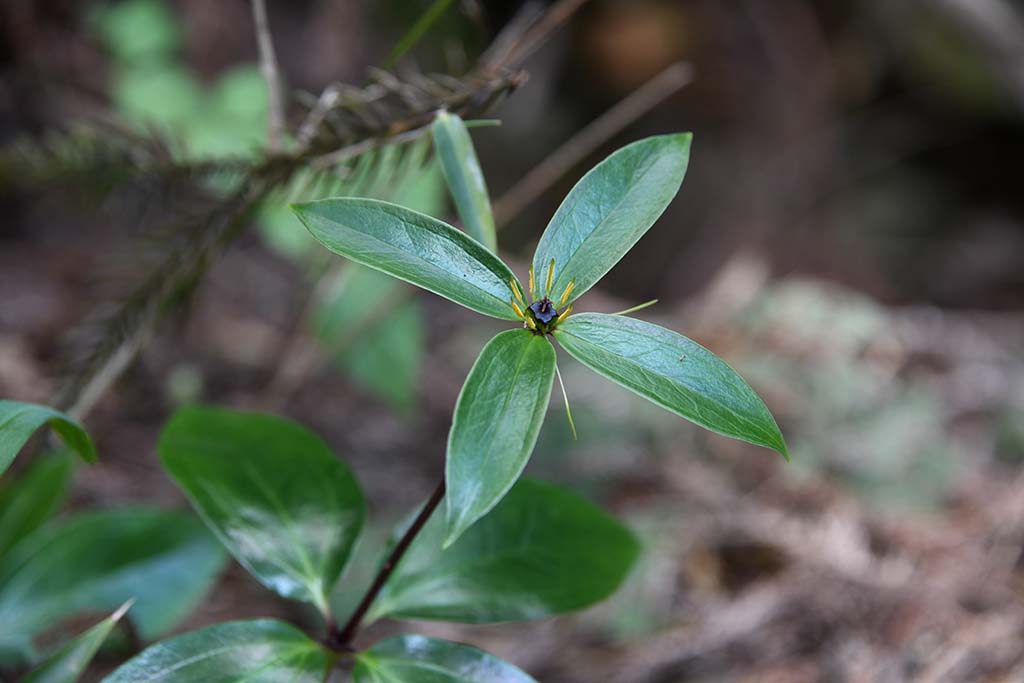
x: 340, y: 640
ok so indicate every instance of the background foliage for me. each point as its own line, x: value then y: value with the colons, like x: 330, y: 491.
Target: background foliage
x: 849, y: 237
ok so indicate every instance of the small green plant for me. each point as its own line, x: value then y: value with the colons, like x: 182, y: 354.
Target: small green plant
x: 500, y: 410
x: 278, y: 499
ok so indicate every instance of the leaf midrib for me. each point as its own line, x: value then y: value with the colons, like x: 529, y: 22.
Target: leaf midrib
x: 598, y: 226
x: 741, y: 418
x: 434, y: 266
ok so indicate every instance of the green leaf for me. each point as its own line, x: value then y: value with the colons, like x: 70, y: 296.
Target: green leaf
x: 464, y: 177
x: 138, y: 31
x: 272, y: 491
x: 373, y: 328
x: 542, y: 551
x: 97, y: 561
x: 497, y: 419
x: 33, y: 498
x: 67, y: 664
x: 609, y: 210
x: 418, y: 659
x: 19, y: 420
x: 260, y: 651
x: 413, y: 247
x: 166, y: 96
x: 677, y: 373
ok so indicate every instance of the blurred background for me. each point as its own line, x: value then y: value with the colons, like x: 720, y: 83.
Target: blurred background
x: 850, y: 236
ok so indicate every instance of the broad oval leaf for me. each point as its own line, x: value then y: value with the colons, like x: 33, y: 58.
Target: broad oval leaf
x: 609, y: 210
x: 259, y: 651
x: 542, y: 551
x: 674, y: 372
x: 31, y: 499
x: 165, y: 560
x: 465, y: 179
x: 272, y: 491
x: 67, y: 663
x: 419, y: 659
x: 19, y: 420
x: 496, y: 423
x: 413, y: 247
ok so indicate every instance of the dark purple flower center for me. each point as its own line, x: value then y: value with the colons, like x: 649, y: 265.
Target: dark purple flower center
x: 543, y: 311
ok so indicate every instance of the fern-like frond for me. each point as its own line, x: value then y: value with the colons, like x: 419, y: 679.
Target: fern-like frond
x: 94, y: 160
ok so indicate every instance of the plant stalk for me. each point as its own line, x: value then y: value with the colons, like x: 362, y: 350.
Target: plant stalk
x: 340, y: 640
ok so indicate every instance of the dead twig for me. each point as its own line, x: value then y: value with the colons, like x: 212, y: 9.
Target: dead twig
x: 272, y: 75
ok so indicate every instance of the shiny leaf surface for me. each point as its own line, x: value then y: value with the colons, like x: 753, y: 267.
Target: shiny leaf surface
x: 465, y: 179
x: 497, y: 419
x: 674, y: 372
x: 542, y: 551
x: 609, y: 210
x: 418, y: 659
x: 18, y: 421
x: 260, y: 651
x: 413, y: 247
x: 272, y: 491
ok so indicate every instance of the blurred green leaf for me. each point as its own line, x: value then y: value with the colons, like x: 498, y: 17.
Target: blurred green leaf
x: 497, y: 419
x: 372, y: 328
x: 97, y: 561
x: 138, y: 31
x: 69, y: 662
x: 240, y: 95
x: 677, y: 373
x: 272, y: 491
x: 418, y: 659
x: 283, y: 232
x: 542, y: 551
x: 33, y: 498
x: 166, y: 96
x: 413, y: 247
x: 422, y: 191
x: 233, y: 118
x: 18, y: 421
x: 609, y: 210
x: 260, y: 651
x: 464, y: 177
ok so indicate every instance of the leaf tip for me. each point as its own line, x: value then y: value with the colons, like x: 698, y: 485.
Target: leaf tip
x: 783, y: 450
x: 451, y: 536
x: 122, y: 610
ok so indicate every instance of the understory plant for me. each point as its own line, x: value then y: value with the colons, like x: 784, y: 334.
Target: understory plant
x: 275, y: 496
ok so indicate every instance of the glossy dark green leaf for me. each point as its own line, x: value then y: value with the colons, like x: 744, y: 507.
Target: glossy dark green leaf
x: 18, y: 421
x: 95, y: 562
x: 30, y: 500
x: 418, y: 659
x: 67, y: 663
x: 677, y: 373
x: 542, y: 551
x: 464, y: 177
x: 413, y: 247
x: 497, y: 419
x: 609, y: 209
x: 272, y: 491
x: 260, y: 651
